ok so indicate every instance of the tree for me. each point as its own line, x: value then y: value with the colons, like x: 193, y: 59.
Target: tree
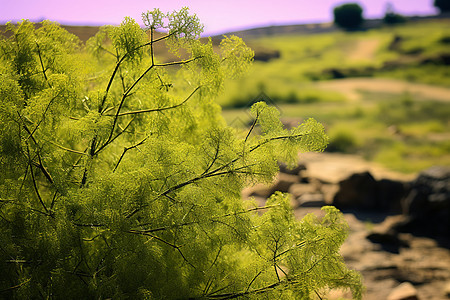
x: 443, y: 5
x: 348, y: 16
x: 391, y: 17
x: 120, y: 179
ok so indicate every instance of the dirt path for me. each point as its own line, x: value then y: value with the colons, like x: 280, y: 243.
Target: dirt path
x: 352, y: 88
x: 334, y: 167
x: 364, y: 49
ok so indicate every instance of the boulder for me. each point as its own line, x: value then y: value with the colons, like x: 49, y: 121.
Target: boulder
x: 362, y: 191
x: 357, y: 191
x: 390, y: 195
x: 428, y: 203
x: 405, y: 291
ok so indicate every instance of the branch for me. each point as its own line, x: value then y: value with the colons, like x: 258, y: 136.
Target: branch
x: 109, y: 141
x: 246, y: 293
x: 216, y: 155
x: 16, y: 286
x: 42, y: 118
x: 38, y: 165
x: 42, y: 64
x: 251, y: 282
x: 157, y: 109
x: 111, y: 79
x: 67, y: 149
x: 251, y: 128
x: 176, y: 63
x: 164, y: 242
x: 214, y: 219
x: 126, y: 149
x: 34, y: 183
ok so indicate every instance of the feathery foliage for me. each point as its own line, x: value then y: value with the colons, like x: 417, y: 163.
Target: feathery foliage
x: 121, y: 180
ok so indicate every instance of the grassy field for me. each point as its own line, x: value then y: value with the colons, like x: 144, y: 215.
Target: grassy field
x: 382, y: 93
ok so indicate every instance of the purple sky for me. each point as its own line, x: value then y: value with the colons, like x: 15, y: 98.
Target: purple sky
x: 217, y: 16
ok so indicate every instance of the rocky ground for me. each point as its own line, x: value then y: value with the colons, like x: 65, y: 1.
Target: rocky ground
x: 399, y: 257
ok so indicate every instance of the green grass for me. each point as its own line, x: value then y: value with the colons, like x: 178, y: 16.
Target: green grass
x: 401, y: 131
x: 403, y: 135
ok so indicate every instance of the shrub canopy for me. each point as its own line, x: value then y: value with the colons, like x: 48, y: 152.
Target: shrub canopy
x: 120, y: 179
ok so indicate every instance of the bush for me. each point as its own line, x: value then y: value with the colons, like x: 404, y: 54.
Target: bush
x: 121, y: 180
x: 443, y: 5
x: 348, y: 16
x: 393, y: 18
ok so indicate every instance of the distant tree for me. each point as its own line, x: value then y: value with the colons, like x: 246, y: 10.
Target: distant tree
x: 391, y: 17
x: 443, y: 5
x: 348, y: 16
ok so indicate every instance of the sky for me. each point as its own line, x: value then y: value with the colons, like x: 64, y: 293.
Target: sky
x: 217, y: 16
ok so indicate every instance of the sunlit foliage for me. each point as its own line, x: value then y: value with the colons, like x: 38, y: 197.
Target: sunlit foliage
x: 121, y: 180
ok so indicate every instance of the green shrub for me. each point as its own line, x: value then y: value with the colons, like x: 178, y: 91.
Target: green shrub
x: 121, y: 180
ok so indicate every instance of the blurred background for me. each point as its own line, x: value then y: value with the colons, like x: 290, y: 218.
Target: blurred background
x: 380, y: 85
x: 377, y: 75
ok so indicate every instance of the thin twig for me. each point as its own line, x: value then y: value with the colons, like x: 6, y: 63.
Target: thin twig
x: 42, y: 64
x: 157, y: 109
x: 35, y: 185
x: 67, y: 149
x: 164, y: 242
x: 16, y: 286
x: 126, y: 149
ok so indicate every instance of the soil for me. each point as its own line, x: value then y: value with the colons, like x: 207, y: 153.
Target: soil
x: 364, y: 49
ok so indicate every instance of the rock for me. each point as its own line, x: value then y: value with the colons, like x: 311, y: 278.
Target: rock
x: 389, y: 240
x: 329, y: 191
x: 311, y: 200
x: 299, y: 189
x: 283, y: 182
x: 447, y: 290
x: 390, y: 195
x: 357, y: 191
x: 428, y: 203
x: 405, y: 291
x: 362, y: 191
